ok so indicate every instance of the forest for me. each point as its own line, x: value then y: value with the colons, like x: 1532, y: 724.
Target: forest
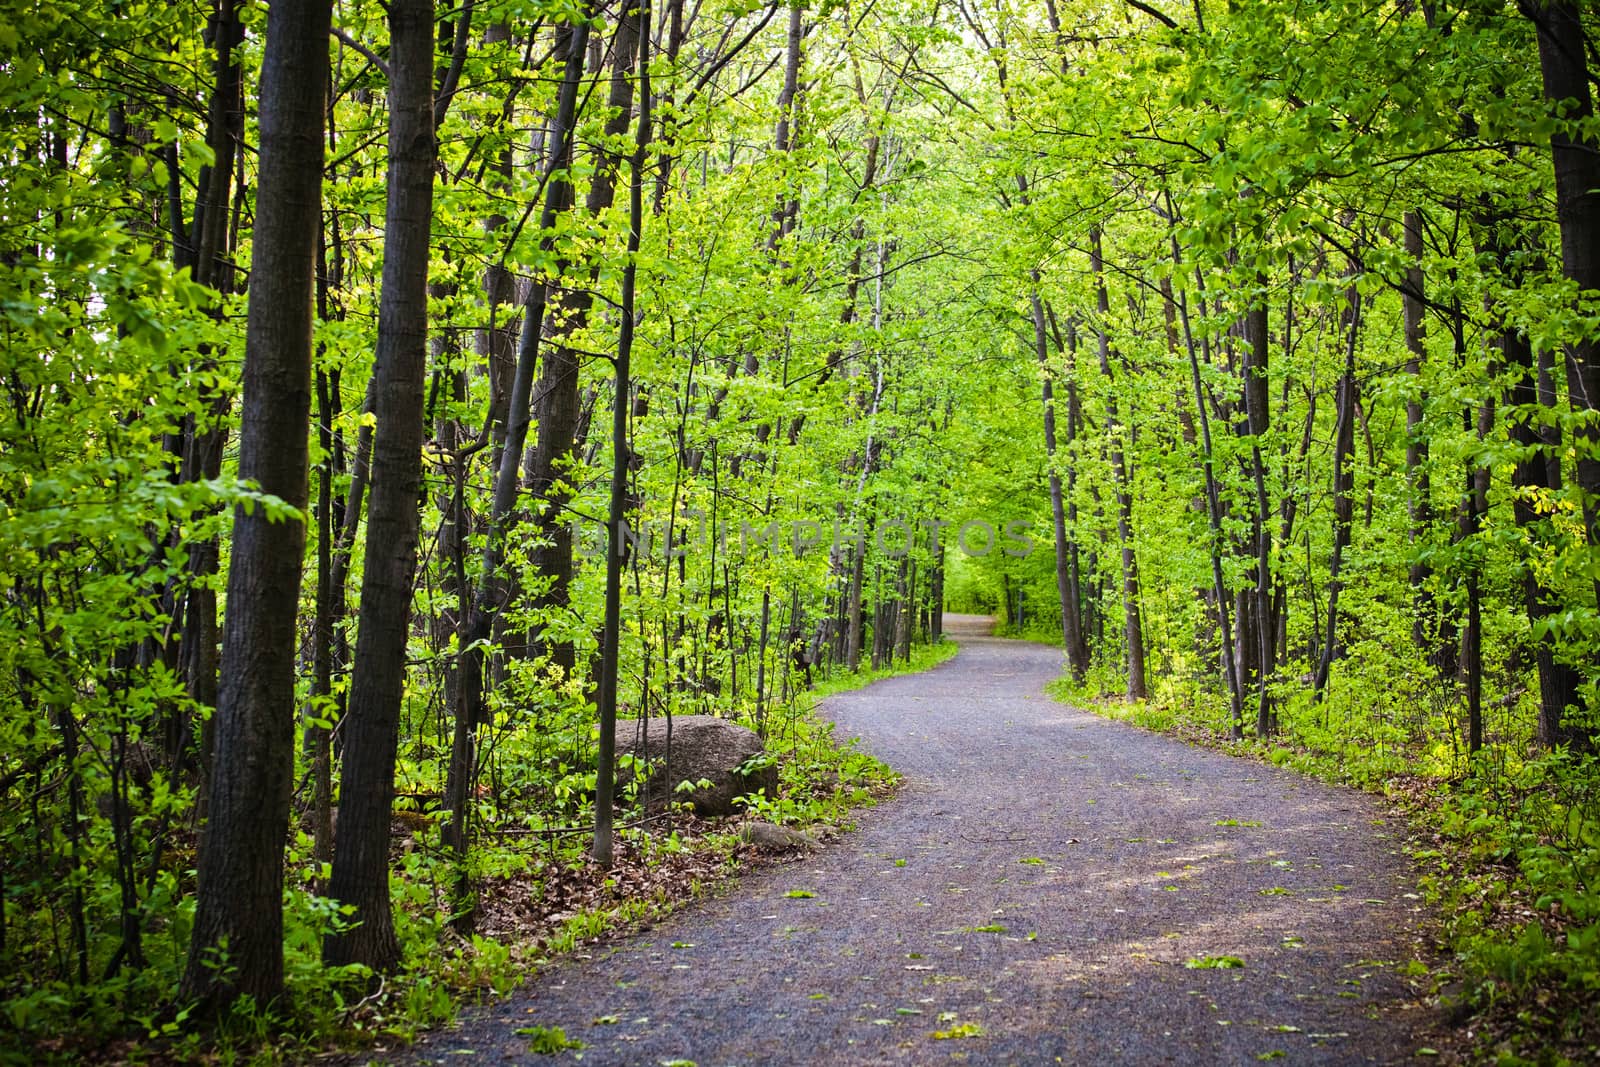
x: 398, y: 397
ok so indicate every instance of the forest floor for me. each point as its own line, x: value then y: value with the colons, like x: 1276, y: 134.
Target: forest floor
x: 1048, y: 886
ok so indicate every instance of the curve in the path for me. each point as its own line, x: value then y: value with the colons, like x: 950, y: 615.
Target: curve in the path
x: 1036, y: 893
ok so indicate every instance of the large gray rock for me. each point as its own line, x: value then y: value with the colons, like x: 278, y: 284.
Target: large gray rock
x: 766, y: 835
x: 702, y: 747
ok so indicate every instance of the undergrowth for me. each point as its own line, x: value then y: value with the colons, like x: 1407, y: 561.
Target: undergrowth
x: 538, y: 897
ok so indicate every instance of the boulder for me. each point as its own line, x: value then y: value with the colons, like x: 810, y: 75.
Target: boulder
x: 703, y: 747
x: 765, y: 835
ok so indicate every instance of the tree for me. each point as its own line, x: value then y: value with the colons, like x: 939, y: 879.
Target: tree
x: 621, y: 452
x: 377, y: 689
x: 237, y: 944
x: 558, y: 407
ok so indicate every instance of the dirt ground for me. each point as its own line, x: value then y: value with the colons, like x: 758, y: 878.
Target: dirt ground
x: 1048, y: 887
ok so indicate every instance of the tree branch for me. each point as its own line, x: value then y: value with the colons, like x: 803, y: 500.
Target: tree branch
x: 1165, y: 20
x: 372, y: 57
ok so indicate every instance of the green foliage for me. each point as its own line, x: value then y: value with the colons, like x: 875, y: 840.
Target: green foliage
x: 548, y: 1040
x: 1213, y: 963
x: 1521, y: 840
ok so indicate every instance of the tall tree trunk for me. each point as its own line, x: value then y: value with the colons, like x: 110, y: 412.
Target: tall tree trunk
x: 496, y: 343
x: 210, y: 246
x: 377, y: 684
x: 559, y: 406
x: 1530, y: 394
x: 469, y: 698
x: 852, y: 611
x: 1344, y: 451
x: 611, y: 651
x: 784, y: 134
x: 1066, y: 587
x: 1417, y: 478
x: 1563, y: 59
x: 239, y: 900
x: 454, y: 526
x: 496, y: 346
x: 1230, y: 666
x: 1132, y: 628
x: 786, y: 210
x: 1558, y: 681
x: 1474, y: 506
x: 1258, y: 413
x: 319, y: 744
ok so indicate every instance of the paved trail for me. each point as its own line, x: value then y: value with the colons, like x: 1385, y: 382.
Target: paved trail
x: 1040, y: 882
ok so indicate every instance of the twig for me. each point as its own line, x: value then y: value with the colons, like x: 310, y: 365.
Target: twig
x: 372, y: 57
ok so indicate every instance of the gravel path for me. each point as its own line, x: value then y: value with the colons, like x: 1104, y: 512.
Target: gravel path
x: 1033, y: 894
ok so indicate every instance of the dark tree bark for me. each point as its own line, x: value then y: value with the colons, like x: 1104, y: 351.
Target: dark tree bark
x: 1474, y: 506
x: 784, y: 138
x: 195, y: 451
x: 318, y: 741
x: 1564, y: 63
x: 1230, y: 666
x: 1420, y: 500
x: 209, y: 242
x: 1535, y: 477
x: 1558, y: 681
x: 1344, y: 454
x: 495, y: 344
x: 852, y: 611
x: 611, y: 653
x: 1258, y: 413
x: 239, y: 899
x: 558, y: 406
x: 469, y: 697
x: 1132, y: 628
x: 1066, y: 583
x: 454, y: 525
x: 372, y: 724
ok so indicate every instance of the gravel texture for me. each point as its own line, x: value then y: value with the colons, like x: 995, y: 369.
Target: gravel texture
x: 1035, y: 894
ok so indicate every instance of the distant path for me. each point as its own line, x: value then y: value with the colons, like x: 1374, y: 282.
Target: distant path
x: 1143, y: 868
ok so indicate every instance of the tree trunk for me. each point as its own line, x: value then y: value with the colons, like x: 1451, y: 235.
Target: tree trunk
x: 1564, y: 63
x: 852, y: 613
x: 1417, y: 479
x: 1230, y: 666
x: 1258, y: 413
x: 559, y: 406
x: 1558, y: 682
x: 1474, y: 508
x: 1344, y: 450
x: 611, y: 652
x: 1066, y: 587
x: 318, y: 741
x: 1132, y: 629
x: 239, y: 900
x: 209, y: 245
x: 1531, y: 391
x: 486, y: 602
x: 496, y: 343
x: 377, y: 684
